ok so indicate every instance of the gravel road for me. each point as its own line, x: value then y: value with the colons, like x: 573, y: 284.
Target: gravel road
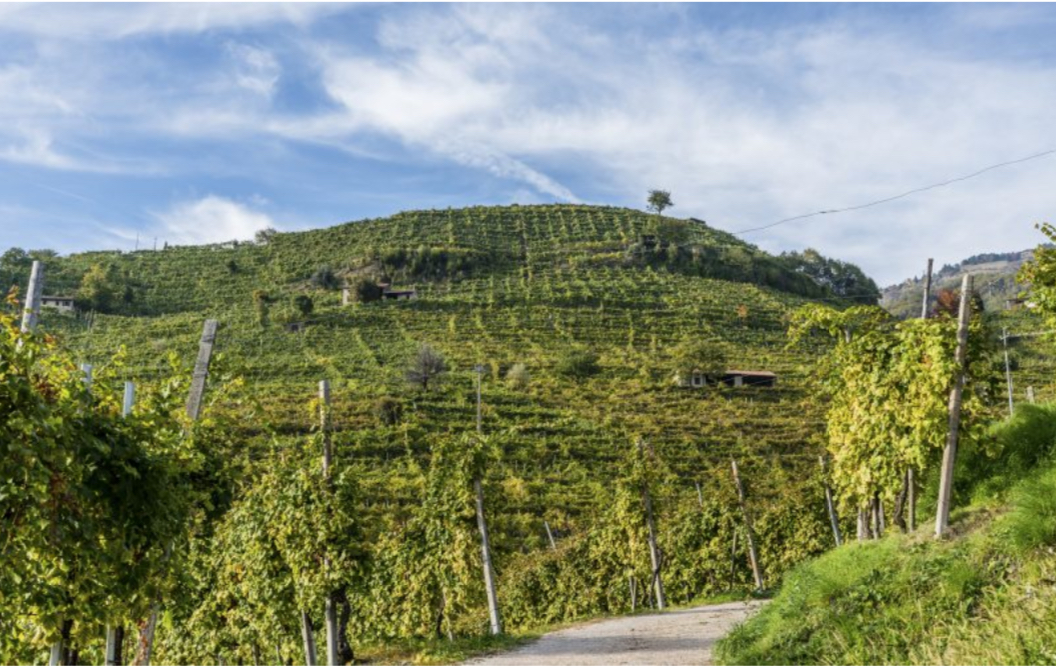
x: 675, y: 638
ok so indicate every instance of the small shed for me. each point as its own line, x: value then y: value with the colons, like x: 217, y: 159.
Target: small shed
x: 60, y: 303
x: 738, y: 378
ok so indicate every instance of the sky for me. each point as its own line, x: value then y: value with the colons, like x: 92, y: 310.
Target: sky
x: 126, y: 124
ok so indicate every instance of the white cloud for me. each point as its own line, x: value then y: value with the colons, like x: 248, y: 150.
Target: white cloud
x: 256, y: 69
x: 211, y: 219
x: 102, y: 21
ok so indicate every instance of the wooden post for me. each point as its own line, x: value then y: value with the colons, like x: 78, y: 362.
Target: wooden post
x: 927, y: 290
x: 201, y: 369
x: 482, y: 526
x: 700, y: 496
x: 332, y: 656
x: 309, y: 640
x: 654, y: 548
x: 115, y: 634
x: 949, y: 454
x: 753, y: 554
x: 833, y: 518
x: 1030, y: 394
x: 733, y: 559
x: 911, y: 474
x: 194, y: 409
x: 550, y: 535
x: 31, y: 311
x: 1008, y: 371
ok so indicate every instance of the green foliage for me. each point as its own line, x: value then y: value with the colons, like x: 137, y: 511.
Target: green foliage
x: 89, y: 498
x: 694, y: 355
x: 887, y: 385
x: 1040, y: 275
x: 324, y: 278
x: 578, y: 363
x: 304, y: 304
x: 841, y: 278
x: 659, y: 200
x: 389, y: 410
x: 426, y: 367
x: 364, y: 290
x: 1032, y: 523
x: 99, y: 288
x: 262, y: 306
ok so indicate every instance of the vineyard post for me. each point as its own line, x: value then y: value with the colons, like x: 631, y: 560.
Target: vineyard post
x: 863, y: 524
x: 331, y: 602
x: 31, y: 312
x: 550, y: 535
x: 911, y: 474
x: 1008, y: 371
x: 700, y: 496
x: 482, y: 525
x: 833, y: 518
x: 1030, y: 394
x: 733, y: 558
x: 949, y: 454
x: 115, y: 633
x: 309, y: 640
x: 654, y: 548
x: 753, y: 554
x: 194, y: 409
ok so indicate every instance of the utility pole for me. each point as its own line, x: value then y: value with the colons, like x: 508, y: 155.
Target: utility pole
x: 482, y: 525
x: 31, y: 312
x: 1008, y: 371
x: 949, y: 454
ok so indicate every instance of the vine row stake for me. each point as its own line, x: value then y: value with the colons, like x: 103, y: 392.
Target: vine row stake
x: 833, y: 518
x: 1030, y: 394
x: 911, y: 474
x: 194, y: 409
x: 115, y: 634
x: 1008, y: 371
x: 331, y: 602
x: 33, y: 295
x: 949, y: 454
x: 550, y: 535
x: 482, y: 525
x: 753, y: 554
x: 654, y: 549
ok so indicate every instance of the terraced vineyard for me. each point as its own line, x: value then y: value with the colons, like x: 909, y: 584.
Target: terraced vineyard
x: 499, y: 287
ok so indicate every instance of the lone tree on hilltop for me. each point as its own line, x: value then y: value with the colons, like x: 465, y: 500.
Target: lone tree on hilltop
x: 426, y: 367
x: 659, y: 200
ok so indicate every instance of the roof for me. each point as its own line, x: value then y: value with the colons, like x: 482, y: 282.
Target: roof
x: 57, y: 298
x: 751, y: 373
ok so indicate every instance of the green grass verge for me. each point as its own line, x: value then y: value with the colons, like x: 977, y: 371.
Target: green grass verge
x: 987, y: 596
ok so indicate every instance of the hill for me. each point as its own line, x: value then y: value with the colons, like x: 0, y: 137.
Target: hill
x: 995, y: 280
x: 592, y: 305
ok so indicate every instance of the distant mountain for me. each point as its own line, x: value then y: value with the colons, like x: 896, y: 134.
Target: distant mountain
x: 995, y: 280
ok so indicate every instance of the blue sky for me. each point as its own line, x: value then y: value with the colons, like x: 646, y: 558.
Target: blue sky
x: 202, y: 123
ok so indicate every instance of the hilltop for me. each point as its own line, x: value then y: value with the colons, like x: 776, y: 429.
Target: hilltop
x: 995, y: 280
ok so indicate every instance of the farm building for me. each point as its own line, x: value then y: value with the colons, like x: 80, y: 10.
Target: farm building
x: 734, y: 378
x: 60, y: 303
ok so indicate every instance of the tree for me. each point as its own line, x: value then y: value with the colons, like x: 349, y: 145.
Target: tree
x: 264, y: 236
x: 364, y: 290
x: 659, y: 200
x: 324, y: 278
x: 426, y: 367
x: 693, y: 355
x: 99, y: 288
x: 304, y: 304
x: 843, y: 279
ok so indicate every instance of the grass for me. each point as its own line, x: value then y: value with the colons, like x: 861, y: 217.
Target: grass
x: 985, y: 596
x: 439, y: 650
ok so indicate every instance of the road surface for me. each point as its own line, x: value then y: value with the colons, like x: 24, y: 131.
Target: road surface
x: 676, y: 638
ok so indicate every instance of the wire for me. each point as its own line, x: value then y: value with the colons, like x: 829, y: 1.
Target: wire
x: 898, y: 196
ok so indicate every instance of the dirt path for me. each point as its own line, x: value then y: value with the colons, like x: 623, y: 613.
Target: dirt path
x: 678, y: 637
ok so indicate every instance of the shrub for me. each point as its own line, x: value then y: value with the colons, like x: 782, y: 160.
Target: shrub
x: 578, y: 363
x: 389, y: 410
x: 324, y: 278
x: 364, y: 290
x: 426, y: 367
x: 304, y: 304
x: 518, y: 377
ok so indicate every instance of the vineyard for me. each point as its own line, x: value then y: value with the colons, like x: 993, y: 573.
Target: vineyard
x: 574, y: 315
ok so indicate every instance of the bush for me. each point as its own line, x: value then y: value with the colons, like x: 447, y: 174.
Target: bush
x: 304, y: 304
x: 518, y: 377
x: 364, y: 290
x: 578, y: 363
x: 389, y: 410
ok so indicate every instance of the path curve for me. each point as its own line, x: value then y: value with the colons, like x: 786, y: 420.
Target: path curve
x: 677, y: 638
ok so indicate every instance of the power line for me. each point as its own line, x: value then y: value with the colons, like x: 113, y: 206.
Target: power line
x: 898, y: 196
